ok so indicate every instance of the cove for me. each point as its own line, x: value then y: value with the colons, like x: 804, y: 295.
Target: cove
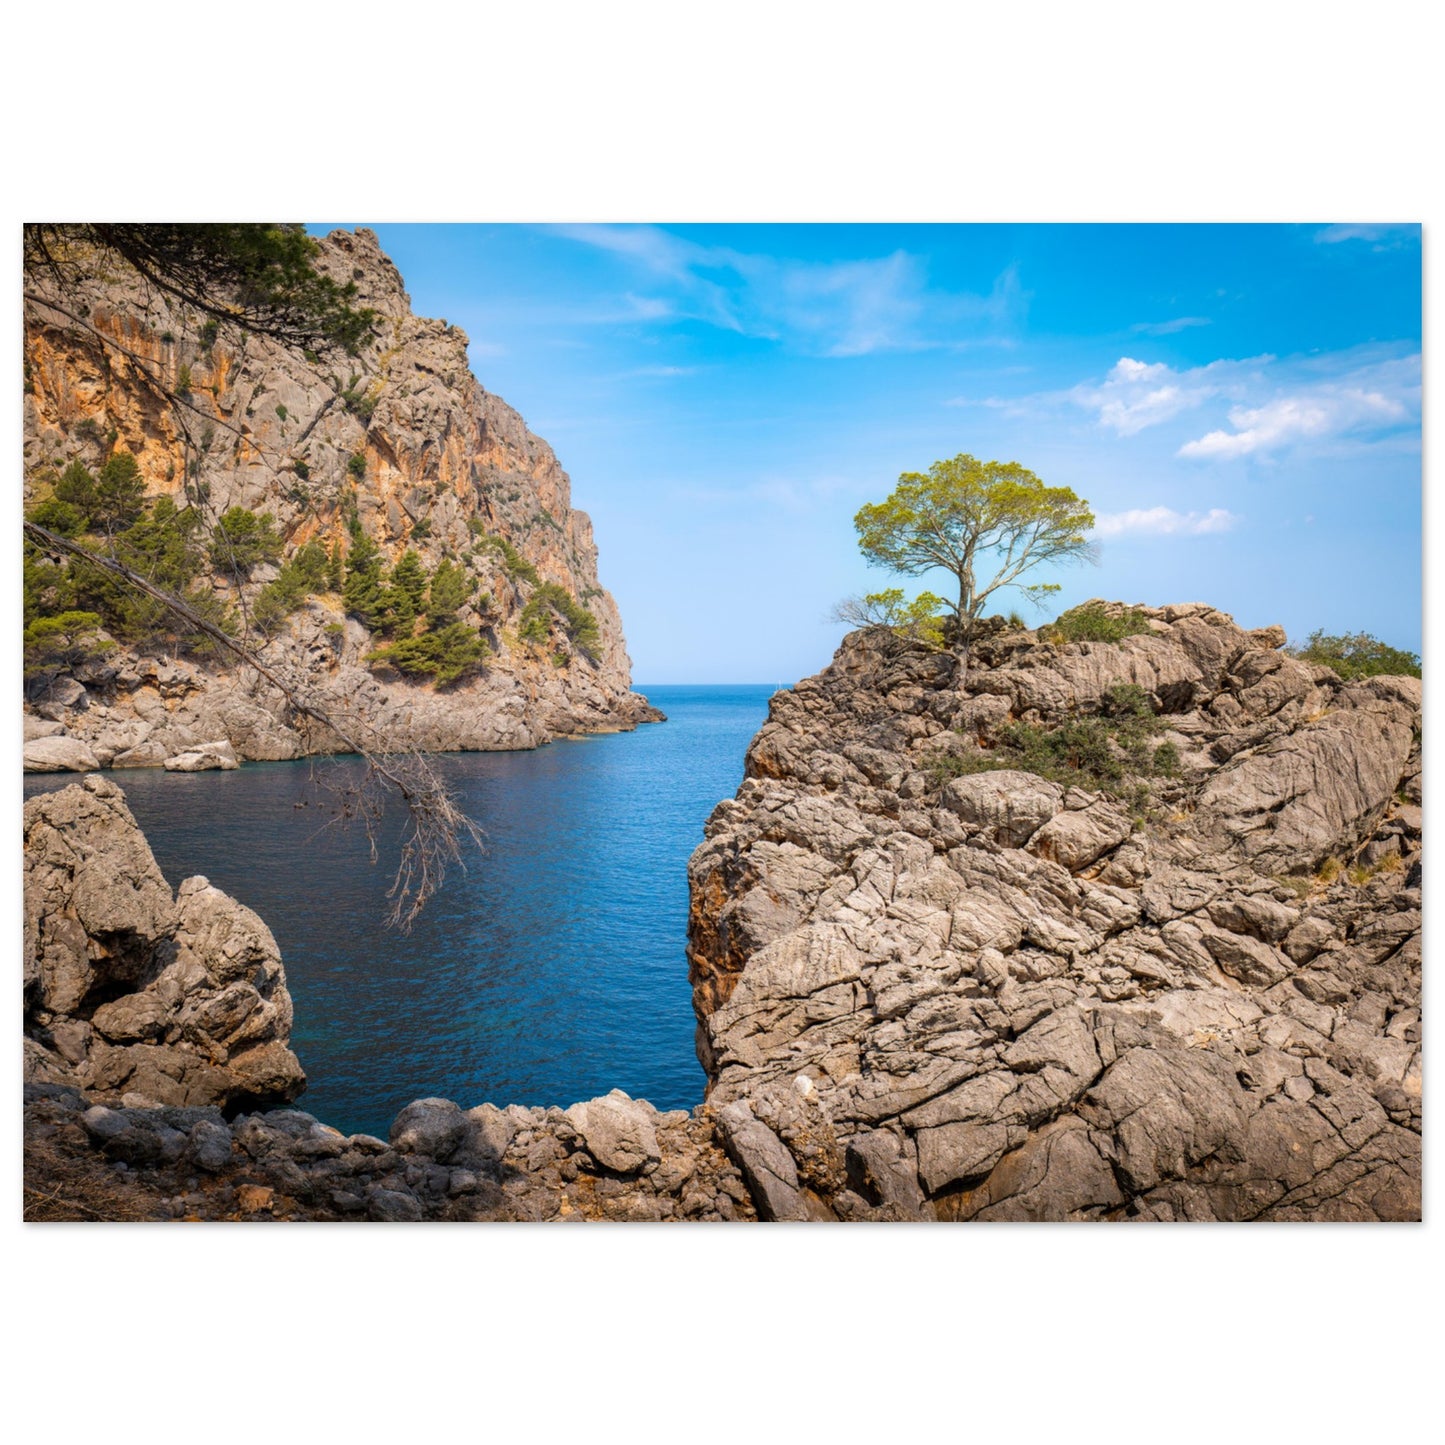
x: 551, y: 970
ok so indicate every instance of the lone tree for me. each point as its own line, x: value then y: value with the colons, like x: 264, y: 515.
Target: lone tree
x: 963, y: 510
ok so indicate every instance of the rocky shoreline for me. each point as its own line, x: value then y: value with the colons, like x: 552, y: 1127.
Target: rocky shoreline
x: 927, y: 986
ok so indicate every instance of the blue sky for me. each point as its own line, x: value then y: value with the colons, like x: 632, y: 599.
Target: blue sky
x: 1240, y: 405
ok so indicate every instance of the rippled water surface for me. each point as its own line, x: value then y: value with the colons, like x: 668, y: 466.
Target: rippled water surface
x: 551, y: 971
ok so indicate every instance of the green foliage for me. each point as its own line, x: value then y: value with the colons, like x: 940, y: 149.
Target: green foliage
x: 335, y: 569
x: 535, y: 624
x: 183, y: 380
x: 1095, y: 752
x: 281, y: 411
x: 242, y: 540
x: 404, y: 600
x: 363, y: 588
x: 206, y: 336
x: 1093, y: 624
x: 443, y: 656
x: 1354, y: 655
x: 110, y: 501
x: 62, y: 517
x: 449, y: 591
x: 302, y: 469
x: 361, y: 406
x: 258, y: 278
x: 919, y: 620
x: 62, y: 641
x: 963, y: 509
x: 356, y: 465
x: 516, y: 565
x: 301, y: 575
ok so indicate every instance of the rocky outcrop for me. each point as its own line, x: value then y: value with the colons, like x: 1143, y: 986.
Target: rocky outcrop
x: 400, y: 442
x: 157, y: 1045
x: 135, y: 995
x: 927, y: 988
x: 1002, y: 997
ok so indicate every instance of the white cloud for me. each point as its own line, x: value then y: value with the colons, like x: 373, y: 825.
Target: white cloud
x: 1138, y: 394
x: 836, y: 308
x: 662, y: 371
x: 1164, y: 522
x: 1370, y: 399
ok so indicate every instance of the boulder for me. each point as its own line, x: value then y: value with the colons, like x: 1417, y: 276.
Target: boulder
x: 58, y: 754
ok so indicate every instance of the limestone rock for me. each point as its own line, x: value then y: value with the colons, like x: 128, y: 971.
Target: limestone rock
x: 1016, y: 1000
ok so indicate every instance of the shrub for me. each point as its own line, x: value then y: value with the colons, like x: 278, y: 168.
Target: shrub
x: 58, y: 516
x: 1093, y: 624
x: 281, y: 411
x: 65, y: 640
x: 1354, y: 655
x: 1094, y: 752
x: 208, y: 333
x: 444, y: 656
x: 356, y: 465
x: 449, y: 591
x: 578, y: 623
x: 516, y: 565
x: 183, y: 380
x: 302, y: 469
x: 242, y: 540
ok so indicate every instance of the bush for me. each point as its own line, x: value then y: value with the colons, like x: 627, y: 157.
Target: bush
x: 578, y: 623
x: 444, y: 656
x: 65, y: 640
x: 242, y: 540
x: 516, y: 565
x: 356, y: 465
x: 58, y: 516
x: 1352, y: 655
x: 1093, y: 752
x: 1093, y: 624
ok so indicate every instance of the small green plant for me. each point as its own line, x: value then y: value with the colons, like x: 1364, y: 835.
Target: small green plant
x: 281, y: 410
x: 1357, y: 654
x: 1093, y: 624
x: 356, y: 465
x: 242, y: 540
x: 443, y: 656
x: 208, y: 333
x: 516, y: 565
x: 549, y: 600
x: 183, y: 380
x: 62, y: 641
x: 1329, y: 871
x: 302, y: 469
x: 1098, y: 751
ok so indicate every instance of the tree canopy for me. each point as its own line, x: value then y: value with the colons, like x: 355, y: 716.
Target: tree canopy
x: 962, y: 512
x: 261, y: 278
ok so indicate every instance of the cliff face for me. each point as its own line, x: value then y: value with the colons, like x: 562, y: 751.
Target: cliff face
x: 998, y: 996
x: 401, y: 440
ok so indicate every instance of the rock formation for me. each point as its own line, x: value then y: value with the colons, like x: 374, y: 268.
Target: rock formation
x: 997, y: 996
x: 135, y: 995
x: 400, y: 442
x: 927, y: 986
x: 157, y: 1049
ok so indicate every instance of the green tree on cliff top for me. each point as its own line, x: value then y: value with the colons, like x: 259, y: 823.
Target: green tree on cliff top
x: 985, y: 523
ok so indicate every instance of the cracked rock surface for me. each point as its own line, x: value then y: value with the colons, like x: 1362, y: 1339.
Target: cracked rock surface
x: 999, y: 997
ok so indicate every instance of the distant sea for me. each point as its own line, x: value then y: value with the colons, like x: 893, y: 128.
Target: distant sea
x: 552, y: 970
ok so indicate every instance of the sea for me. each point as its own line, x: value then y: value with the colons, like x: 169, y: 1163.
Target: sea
x: 551, y: 968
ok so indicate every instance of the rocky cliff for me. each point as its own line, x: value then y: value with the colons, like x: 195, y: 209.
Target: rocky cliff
x: 399, y: 444
x: 931, y: 983
x: 963, y: 990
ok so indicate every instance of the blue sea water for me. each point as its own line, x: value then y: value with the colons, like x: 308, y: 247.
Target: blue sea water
x: 552, y: 970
